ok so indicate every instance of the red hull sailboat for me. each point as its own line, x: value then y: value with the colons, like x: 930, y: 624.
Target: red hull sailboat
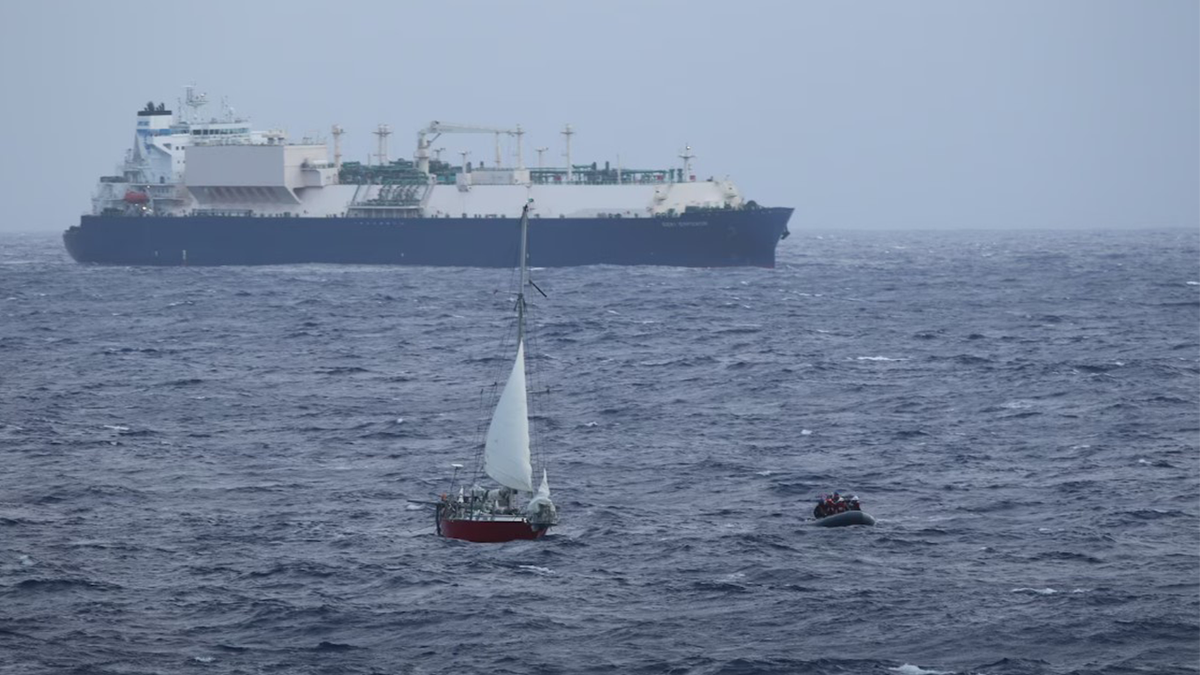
x: 490, y: 531
x: 496, y: 515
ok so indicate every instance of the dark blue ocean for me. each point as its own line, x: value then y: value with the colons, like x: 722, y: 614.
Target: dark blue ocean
x: 206, y: 470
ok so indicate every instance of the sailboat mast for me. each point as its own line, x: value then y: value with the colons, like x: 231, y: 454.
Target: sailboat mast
x: 524, y: 271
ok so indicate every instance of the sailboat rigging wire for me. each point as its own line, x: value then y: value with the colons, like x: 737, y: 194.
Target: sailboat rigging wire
x: 538, y: 395
x: 498, y: 368
x: 486, y: 403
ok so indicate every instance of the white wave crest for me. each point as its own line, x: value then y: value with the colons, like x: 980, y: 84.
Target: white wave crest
x: 1039, y: 591
x: 1017, y: 404
x: 909, y: 669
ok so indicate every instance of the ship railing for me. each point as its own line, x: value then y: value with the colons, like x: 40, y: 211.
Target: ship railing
x: 224, y: 213
x: 609, y: 176
x: 383, y: 211
x: 167, y: 192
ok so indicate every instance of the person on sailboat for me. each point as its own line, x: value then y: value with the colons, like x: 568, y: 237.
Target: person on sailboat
x: 504, y: 500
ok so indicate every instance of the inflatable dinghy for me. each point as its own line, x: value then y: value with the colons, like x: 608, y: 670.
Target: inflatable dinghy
x: 845, y: 518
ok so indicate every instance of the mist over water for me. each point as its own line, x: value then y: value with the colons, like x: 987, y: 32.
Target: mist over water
x: 206, y: 469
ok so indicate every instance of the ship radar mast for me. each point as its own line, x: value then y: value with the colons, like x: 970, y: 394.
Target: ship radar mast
x: 193, y: 101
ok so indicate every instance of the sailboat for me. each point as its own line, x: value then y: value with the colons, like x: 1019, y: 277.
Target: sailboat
x: 479, y: 514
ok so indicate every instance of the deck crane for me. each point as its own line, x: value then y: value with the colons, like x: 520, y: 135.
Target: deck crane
x: 436, y: 129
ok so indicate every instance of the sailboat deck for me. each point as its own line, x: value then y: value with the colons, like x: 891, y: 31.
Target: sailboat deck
x: 488, y: 517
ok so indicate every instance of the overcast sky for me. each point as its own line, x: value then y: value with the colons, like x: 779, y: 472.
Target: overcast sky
x: 945, y: 114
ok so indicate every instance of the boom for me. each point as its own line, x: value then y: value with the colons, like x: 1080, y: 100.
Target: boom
x: 436, y: 129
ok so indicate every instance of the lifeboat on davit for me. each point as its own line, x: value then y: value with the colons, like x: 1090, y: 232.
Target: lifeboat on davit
x: 134, y: 197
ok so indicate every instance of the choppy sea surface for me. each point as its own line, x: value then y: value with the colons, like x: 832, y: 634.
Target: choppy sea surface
x: 206, y: 470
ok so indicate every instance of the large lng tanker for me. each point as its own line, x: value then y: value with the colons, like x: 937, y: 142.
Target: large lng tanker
x: 217, y: 192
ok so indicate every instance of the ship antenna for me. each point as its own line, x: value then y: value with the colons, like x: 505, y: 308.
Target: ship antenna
x: 568, y: 133
x: 520, y: 156
x: 337, y: 146
x: 687, y: 158
x: 383, y: 132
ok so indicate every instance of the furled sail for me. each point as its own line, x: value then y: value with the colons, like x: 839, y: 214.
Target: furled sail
x: 541, y: 499
x: 506, y: 453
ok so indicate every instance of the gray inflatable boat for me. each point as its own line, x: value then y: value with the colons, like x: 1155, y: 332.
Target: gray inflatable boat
x: 845, y: 518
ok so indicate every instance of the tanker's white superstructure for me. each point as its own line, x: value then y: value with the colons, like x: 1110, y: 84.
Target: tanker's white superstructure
x: 222, y: 165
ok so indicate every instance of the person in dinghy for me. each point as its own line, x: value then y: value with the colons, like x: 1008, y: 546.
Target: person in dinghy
x: 836, y: 510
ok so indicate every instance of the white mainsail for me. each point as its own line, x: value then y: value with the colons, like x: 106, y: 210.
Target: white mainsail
x: 506, y: 453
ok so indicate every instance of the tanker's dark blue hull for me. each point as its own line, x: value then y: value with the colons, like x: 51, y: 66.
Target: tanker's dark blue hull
x: 741, y: 237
